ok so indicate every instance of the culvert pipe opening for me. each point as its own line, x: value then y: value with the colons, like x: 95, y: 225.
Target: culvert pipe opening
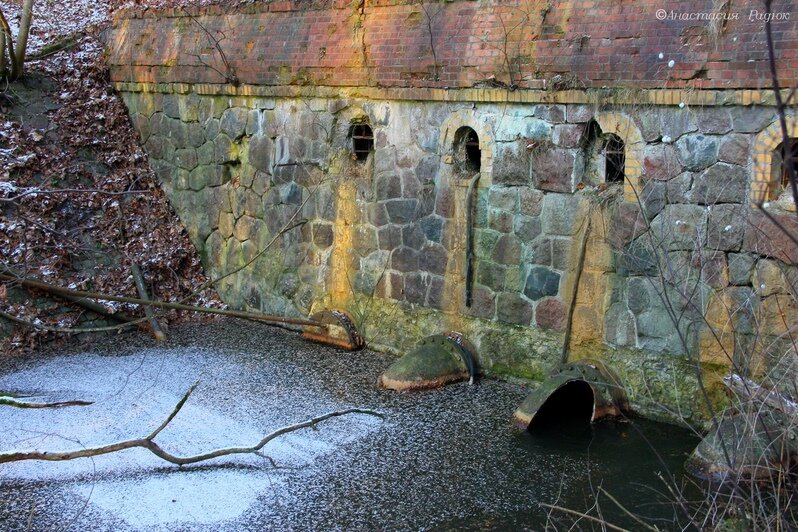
x: 572, y: 403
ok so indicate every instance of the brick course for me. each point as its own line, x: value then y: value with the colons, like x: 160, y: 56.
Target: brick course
x: 530, y: 44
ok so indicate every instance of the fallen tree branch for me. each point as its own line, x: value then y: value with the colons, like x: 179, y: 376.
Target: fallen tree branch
x: 148, y: 443
x: 602, y: 522
x: 11, y: 401
x: 6, y: 275
x: 157, y: 332
x: 749, y: 391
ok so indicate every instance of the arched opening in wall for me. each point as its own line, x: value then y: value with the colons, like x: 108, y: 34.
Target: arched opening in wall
x: 605, y: 154
x: 786, y: 157
x: 570, y: 405
x: 362, y: 138
x: 467, y: 153
x: 614, y: 159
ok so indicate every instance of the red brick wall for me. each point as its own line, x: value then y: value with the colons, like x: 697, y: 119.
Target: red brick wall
x: 529, y: 43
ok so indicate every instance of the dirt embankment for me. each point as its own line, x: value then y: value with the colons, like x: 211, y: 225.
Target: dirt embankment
x: 78, y: 201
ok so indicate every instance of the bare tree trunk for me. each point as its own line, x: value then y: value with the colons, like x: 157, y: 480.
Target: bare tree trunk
x: 2, y: 53
x: 22, y: 38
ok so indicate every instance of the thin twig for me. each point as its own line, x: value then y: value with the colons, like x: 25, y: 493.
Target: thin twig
x: 583, y: 516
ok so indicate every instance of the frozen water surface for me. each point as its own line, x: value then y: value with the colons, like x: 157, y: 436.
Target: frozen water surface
x: 439, y: 460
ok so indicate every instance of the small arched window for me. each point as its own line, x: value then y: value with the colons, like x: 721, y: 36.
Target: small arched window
x: 614, y: 159
x: 467, y: 153
x: 362, y: 141
x: 786, y: 157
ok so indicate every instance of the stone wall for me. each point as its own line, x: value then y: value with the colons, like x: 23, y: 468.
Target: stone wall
x: 672, y: 265
x: 669, y: 264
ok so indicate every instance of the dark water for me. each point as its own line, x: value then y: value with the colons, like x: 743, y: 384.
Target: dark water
x: 447, y: 459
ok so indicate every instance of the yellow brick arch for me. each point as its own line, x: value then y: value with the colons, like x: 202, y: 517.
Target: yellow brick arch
x: 764, y: 181
x: 470, y: 118
x: 624, y: 126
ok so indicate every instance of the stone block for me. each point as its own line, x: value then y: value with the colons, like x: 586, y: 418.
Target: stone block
x: 678, y: 188
x: 253, y: 122
x: 432, y: 226
x: 413, y: 236
x: 499, y: 220
x: 491, y: 275
x: 678, y: 122
x: 401, y: 211
x: 561, y: 254
x: 323, y: 235
x: 637, y: 258
x: 290, y: 194
x: 504, y: 198
x: 195, y: 135
x: 752, y: 119
x: 389, y: 237
x: 260, y: 152
x: 433, y: 259
x: 378, y: 215
x: 579, y: 113
x: 726, y: 227
x: 206, y: 153
x: 483, y: 302
x: 531, y: 201
x: 507, y: 250
x: 171, y: 106
x: 653, y: 197
x: 735, y: 149
x: 619, y: 326
x: 513, y: 308
x: 540, y: 252
x: 364, y: 240
x: 208, y: 176
x: 550, y: 314
x: 720, y: 183
x: 404, y: 259
x: 511, y: 163
x: 226, y: 224
x: 680, y: 227
x: 484, y: 242
x: 410, y: 185
x: 427, y: 168
x: 660, y: 162
x: 541, y: 282
x: 246, y: 175
x: 568, y: 135
x: 740, y: 268
x: 225, y: 151
x: 638, y: 298
x: 550, y: 113
x: 553, y: 169
x: 559, y: 215
x: 714, y: 268
x: 249, y: 228
x: 436, y: 294
x: 212, y: 129
x: 763, y: 237
x: 527, y: 228
x: 416, y: 286
x: 713, y: 120
x: 698, y: 151
x: 234, y: 122
x: 444, y: 202
x: 387, y: 186
x: 186, y: 158
x: 159, y: 147
x: 769, y: 278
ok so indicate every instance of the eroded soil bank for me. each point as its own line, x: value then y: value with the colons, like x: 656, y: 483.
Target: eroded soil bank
x: 440, y: 459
